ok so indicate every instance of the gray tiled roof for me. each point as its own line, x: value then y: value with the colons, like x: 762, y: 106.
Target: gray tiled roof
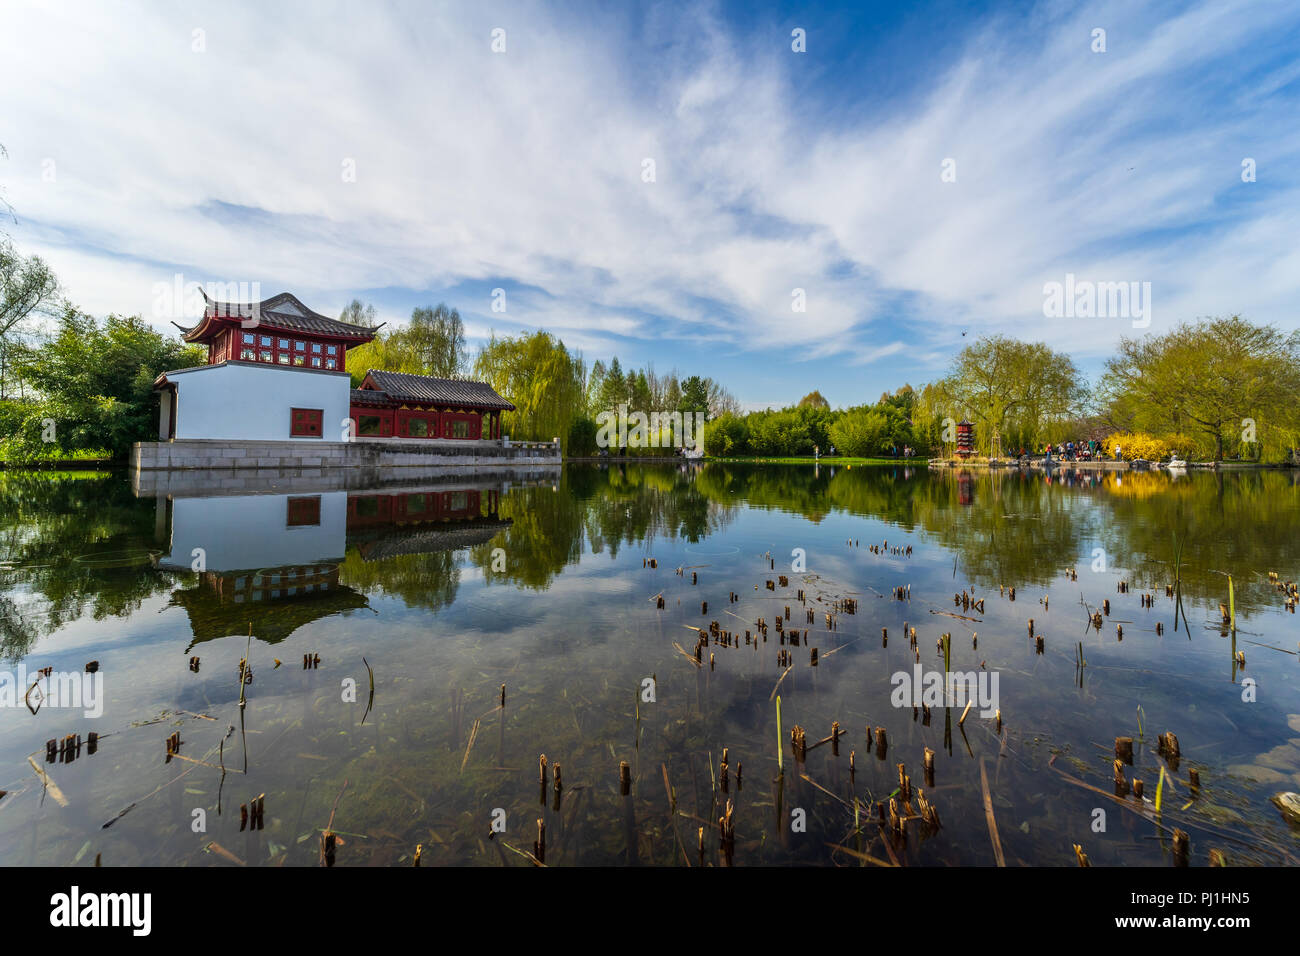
x: 403, y: 386
x: 283, y: 311
x: 369, y: 396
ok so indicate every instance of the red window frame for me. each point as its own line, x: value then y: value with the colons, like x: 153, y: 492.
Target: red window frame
x: 473, y: 425
x: 385, y: 416
x: 430, y: 424
x: 404, y: 417
x: 307, y: 353
x: 440, y: 424
x: 303, y: 512
x: 305, y: 422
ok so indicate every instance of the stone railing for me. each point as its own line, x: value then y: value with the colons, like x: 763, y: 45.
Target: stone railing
x: 549, y: 446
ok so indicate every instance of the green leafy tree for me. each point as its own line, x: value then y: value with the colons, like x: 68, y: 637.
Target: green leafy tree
x: 541, y: 377
x: 357, y: 313
x: 997, y: 380
x: 437, y: 337
x: 871, y: 431
x: 433, y: 343
x: 611, y: 393
x: 595, y: 382
x: 94, y: 382
x: 1221, y: 378
x: 388, y: 351
x: 582, y: 438
x: 695, y: 395
x: 28, y: 288
x: 727, y: 435
x: 672, y: 394
x: 613, y: 389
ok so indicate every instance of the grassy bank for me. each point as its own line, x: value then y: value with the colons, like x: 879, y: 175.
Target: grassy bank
x: 84, y: 458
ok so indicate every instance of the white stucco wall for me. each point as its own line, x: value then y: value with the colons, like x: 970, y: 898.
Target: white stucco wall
x: 251, y: 531
x: 252, y: 402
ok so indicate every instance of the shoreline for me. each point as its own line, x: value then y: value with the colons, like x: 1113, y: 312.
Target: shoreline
x: 1033, y: 464
x: 1039, y: 464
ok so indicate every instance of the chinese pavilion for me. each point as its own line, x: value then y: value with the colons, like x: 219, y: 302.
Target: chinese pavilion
x: 277, y: 370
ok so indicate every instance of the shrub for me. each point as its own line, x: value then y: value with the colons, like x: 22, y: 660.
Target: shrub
x: 1141, y: 445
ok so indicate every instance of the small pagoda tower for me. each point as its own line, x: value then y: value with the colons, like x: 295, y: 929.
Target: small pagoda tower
x: 965, y: 439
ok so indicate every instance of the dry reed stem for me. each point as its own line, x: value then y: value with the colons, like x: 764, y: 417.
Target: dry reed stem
x: 473, y: 732
x: 988, y: 815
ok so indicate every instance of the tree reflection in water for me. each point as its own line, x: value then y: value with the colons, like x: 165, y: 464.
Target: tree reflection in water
x: 1003, y: 526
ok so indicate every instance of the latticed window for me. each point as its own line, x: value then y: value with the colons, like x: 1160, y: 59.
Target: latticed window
x: 305, y: 422
x: 275, y: 350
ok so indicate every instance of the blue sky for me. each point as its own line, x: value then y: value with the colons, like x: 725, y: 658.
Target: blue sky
x: 386, y: 152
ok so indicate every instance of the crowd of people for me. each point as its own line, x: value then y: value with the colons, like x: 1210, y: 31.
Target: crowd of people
x: 1090, y: 450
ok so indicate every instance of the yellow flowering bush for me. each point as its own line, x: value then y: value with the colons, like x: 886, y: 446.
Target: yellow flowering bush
x: 1134, y: 445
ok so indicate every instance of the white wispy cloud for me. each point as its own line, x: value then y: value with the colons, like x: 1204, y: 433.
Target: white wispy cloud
x: 526, y: 169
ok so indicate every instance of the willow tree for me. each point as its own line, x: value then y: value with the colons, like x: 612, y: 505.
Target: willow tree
x: 542, y: 378
x: 432, y: 343
x: 1219, y: 377
x: 998, y: 380
x: 389, y: 351
x: 437, y: 337
x: 358, y: 313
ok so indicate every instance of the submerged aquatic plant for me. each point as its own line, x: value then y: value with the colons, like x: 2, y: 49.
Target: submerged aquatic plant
x: 780, y: 759
x: 1232, y: 607
x: 1178, y: 582
x: 371, y: 702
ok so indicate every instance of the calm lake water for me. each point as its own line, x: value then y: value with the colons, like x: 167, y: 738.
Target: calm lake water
x: 451, y: 586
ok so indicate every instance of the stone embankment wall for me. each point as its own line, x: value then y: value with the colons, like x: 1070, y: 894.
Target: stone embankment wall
x: 217, y: 455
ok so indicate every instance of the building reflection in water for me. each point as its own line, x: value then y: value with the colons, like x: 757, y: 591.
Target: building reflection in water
x: 268, y: 564
x: 386, y: 525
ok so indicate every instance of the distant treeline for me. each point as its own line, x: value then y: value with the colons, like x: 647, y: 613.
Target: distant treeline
x: 895, y: 423
x: 1215, y: 388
